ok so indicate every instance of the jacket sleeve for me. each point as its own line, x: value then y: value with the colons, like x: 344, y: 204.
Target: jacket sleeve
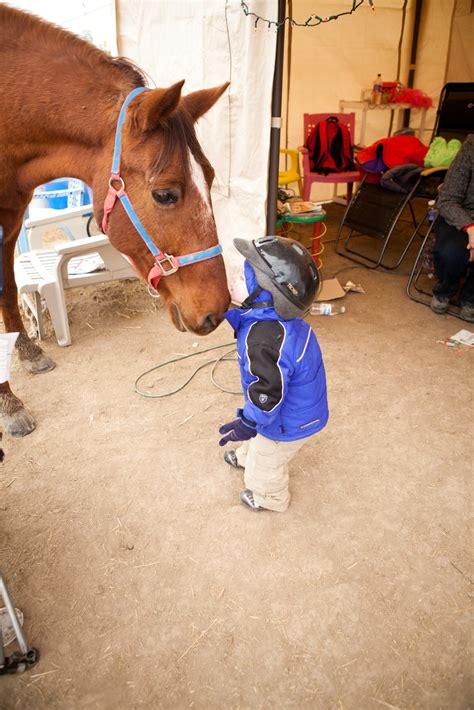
x: 269, y: 370
x: 454, y: 190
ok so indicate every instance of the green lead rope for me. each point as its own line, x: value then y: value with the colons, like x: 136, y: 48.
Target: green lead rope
x: 214, y: 362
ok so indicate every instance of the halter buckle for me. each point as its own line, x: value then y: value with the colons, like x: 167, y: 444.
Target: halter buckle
x: 116, y: 178
x: 172, y: 267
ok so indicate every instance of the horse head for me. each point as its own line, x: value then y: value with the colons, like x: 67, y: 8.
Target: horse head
x: 167, y: 179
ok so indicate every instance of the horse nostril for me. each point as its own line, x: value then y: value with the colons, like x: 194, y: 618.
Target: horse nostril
x: 209, y: 323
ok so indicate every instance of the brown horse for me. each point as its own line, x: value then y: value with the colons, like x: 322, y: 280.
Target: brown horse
x: 61, y: 98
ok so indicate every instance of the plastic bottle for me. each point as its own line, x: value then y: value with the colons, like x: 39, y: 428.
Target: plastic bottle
x: 377, y: 90
x: 326, y: 309
x: 432, y: 211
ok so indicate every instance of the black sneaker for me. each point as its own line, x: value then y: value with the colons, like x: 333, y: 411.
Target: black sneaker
x: 246, y: 497
x: 230, y: 457
x: 439, y: 304
x: 467, y: 312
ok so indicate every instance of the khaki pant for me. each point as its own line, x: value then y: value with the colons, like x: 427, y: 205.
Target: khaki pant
x: 266, y: 469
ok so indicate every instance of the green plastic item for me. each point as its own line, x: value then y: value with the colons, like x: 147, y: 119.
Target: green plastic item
x: 302, y: 217
x: 441, y: 153
x: 305, y: 217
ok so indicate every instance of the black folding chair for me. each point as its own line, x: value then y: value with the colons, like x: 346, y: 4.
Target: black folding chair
x: 422, y: 276
x: 455, y: 114
x: 418, y: 285
x: 375, y: 212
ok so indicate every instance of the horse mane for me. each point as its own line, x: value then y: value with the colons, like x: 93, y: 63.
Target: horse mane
x: 23, y: 24
x: 129, y: 69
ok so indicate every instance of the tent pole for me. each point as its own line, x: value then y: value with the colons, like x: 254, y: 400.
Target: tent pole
x: 414, y: 47
x: 274, y: 155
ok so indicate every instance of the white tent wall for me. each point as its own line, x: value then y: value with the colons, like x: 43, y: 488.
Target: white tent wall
x: 340, y: 59
x: 207, y: 43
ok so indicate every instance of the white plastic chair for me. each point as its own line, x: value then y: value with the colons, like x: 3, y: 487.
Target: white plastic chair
x: 72, y: 221
x: 46, y: 273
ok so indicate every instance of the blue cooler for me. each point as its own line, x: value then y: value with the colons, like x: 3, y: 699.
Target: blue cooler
x: 58, y: 202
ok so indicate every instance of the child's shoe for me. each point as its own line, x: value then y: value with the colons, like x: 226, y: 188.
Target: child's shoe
x: 246, y: 497
x: 230, y: 457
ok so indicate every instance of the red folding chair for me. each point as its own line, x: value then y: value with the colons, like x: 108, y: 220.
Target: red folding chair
x: 310, y: 121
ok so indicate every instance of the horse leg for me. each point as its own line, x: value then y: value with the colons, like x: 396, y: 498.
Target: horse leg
x: 16, y: 420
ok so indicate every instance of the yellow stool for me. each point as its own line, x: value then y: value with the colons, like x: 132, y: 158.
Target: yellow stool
x: 293, y: 174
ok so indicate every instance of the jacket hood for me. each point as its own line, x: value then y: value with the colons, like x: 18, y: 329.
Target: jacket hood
x: 237, y: 316
x: 252, y: 283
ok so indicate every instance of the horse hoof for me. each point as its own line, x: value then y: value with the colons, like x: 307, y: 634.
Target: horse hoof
x: 39, y: 365
x: 18, y: 424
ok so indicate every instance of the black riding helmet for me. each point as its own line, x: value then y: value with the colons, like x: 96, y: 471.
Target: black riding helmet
x: 286, y: 269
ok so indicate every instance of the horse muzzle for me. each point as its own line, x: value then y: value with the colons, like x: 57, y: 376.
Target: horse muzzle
x: 205, y: 325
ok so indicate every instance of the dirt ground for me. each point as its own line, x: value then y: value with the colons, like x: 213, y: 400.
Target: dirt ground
x: 144, y: 582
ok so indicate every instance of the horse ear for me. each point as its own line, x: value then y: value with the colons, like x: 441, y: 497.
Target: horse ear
x: 199, y: 102
x: 154, y: 106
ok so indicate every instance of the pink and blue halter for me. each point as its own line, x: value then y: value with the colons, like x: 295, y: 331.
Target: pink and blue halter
x: 165, y: 264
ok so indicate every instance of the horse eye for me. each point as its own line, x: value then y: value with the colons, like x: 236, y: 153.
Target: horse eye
x: 165, y: 198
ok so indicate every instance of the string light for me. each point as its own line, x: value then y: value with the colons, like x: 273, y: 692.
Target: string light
x: 312, y: 21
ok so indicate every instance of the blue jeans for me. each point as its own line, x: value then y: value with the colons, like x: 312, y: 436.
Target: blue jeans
x: 452, y: 265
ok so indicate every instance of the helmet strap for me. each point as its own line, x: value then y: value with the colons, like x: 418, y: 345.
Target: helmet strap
x: 250, y: 303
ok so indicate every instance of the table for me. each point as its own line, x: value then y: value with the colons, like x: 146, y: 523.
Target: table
x: 366, y: 106
x: 316, y: 219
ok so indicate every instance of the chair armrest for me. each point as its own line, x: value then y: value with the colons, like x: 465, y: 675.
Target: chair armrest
x: 432, y: 171
x: 80, y: 246
x: 61, y: 216
x: 306, y: 155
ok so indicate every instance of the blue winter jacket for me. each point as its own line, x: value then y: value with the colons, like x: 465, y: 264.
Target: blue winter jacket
x: 281, y: 369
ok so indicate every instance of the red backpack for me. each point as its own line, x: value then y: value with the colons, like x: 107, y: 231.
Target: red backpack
x: 330, y: 147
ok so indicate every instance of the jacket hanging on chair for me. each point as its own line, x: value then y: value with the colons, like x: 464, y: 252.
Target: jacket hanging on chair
x: 389, y: 152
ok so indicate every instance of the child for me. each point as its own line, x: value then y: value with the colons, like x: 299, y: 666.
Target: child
x: 281, y: 367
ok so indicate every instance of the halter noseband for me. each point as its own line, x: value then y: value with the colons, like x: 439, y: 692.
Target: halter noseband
x: 165, y: 264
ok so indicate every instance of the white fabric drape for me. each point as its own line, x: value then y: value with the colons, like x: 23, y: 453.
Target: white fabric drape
x: 208, y: 42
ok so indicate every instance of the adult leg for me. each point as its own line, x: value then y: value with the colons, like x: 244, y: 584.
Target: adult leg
x: 467, y: 291
x: 16, y: 420
x: 467, y: 295
x: 266, y: 471
x: 450, y: 257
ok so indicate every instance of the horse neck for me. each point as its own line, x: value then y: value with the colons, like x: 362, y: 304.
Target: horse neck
x: 64, y: 102
x: 78, y: 138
